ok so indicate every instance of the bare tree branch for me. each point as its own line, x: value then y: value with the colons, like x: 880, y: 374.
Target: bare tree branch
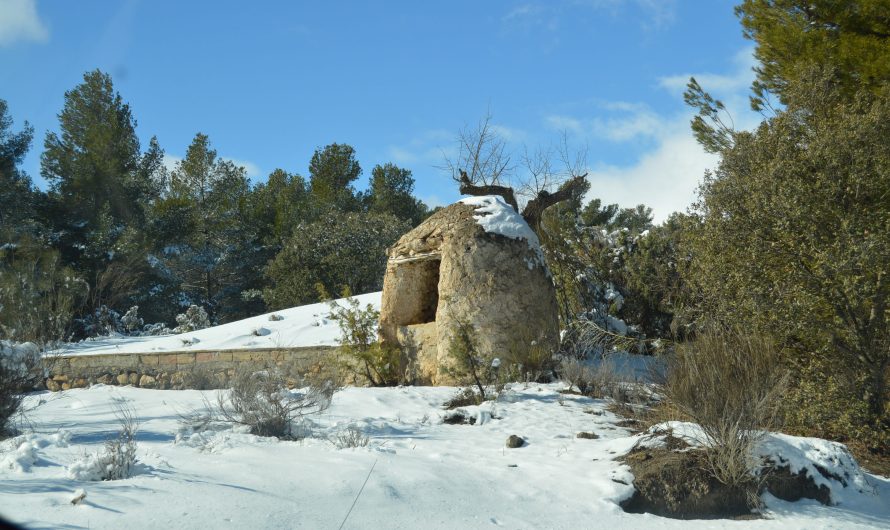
x: 468, y: 188
x: 535, y: 207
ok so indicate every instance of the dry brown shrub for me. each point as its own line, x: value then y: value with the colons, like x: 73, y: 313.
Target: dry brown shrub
x: 731, y: 384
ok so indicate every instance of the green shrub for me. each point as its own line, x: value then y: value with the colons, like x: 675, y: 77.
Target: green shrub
x: 379, y: 364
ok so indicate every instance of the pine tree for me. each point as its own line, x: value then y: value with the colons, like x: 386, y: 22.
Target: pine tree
x: 851, y: 38
x: 93, y: 167
x: 337, y: 251
x: 203, y: 231
x: 391, y: 191
x: 332, y: 172
x: 16, y: 194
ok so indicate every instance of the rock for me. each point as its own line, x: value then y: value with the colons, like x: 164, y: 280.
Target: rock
x: 515, y: 441
x: 105, y: 379
x: 52, y: 385
x: 133, y: 378
x: 122, y: 379
x: 791, y: 487
x: 60, y: 378
x: 451, y: 271
x: 672, y: 482
x: 147, y: 381
x: 80, y: 382
x: 587, y: 435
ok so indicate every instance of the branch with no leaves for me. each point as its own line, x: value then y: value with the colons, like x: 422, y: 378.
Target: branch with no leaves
x: 468, y: 188
x: 535, y: 207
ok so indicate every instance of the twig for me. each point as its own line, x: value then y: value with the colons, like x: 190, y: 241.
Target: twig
x: 358, y: 495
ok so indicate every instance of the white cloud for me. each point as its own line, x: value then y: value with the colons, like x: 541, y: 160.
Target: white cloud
x: 170, y: 161
x: 425, y: 149
x: 521, y: 11
x: 637, y: 120
x: 665, y: 178
x: 661, y: 13
x: 626, y: 122
x: 433, y: 201
x: 19, y: 22
x: 509, y: 134
x: 253, y: 170
x: 564, y: 123
x: 737, y: 80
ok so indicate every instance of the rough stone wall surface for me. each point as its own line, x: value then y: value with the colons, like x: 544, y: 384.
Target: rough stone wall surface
x: 177, y: 370
x: 491, y: 283
x: 420, y: 345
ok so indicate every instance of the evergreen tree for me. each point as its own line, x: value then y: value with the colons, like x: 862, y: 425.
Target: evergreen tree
x: 279, y: 205
x: 16, y: 193
x: 391, y: 191
x: 332, y: 172
x: 337, y: 251
x: 97, y: 189
x: 851, y: 38
x: 203, y: 231
x: 794, y: 242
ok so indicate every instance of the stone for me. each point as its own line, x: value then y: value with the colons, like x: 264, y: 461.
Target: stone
x: 587, y: 435
x: 515, y: 441
x: 122, y: 379
x: 452, y: 271
x: 147, y: 381
x: 105, y: 379
x: 185, y: 358
x: 133, y: 378
x: 52, y: 385
x: 148, y: 360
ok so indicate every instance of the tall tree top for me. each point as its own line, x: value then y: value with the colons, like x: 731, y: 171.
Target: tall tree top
x: 94, y: 160
x: 849, y: 37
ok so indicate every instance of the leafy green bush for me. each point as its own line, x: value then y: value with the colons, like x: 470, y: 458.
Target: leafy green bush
x: 379, y: 364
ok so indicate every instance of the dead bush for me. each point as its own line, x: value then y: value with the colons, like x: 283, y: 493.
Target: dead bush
x: 120, y: 452
x: 527, y: 359
x: 349, y: 438
x: 598, y: 378
x: 118, y: 460
x: 730, y: 383
x: 262, y: 400
x: 201, y: 378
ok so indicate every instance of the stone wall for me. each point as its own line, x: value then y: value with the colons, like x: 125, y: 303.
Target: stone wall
x: 194, y: 369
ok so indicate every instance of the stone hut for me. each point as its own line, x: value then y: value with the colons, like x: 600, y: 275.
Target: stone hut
x: 477, y: 264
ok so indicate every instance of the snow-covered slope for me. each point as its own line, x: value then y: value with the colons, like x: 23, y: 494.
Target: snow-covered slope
x: 421, y: 472
x: 308, y: 325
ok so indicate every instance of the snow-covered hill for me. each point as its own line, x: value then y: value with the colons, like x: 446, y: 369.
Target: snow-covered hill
x: 308, y: 325
x: 421, y: 472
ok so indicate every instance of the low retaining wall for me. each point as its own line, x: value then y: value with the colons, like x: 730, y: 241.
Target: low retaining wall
x: 180, y: 369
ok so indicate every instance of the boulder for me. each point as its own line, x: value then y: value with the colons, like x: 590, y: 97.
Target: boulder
x: 147, y: 381
x: 514, y: 441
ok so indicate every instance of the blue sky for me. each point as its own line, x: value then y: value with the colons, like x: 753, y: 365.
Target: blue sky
x: 269, y: 82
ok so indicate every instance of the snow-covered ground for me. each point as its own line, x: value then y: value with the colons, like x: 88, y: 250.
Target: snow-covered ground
x: 423, y: 473
x: 308, y: 325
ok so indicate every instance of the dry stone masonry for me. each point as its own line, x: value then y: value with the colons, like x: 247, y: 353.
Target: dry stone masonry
x: 475, y: 263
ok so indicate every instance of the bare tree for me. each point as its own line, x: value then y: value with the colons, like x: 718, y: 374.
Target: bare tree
x: 545, y: 176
